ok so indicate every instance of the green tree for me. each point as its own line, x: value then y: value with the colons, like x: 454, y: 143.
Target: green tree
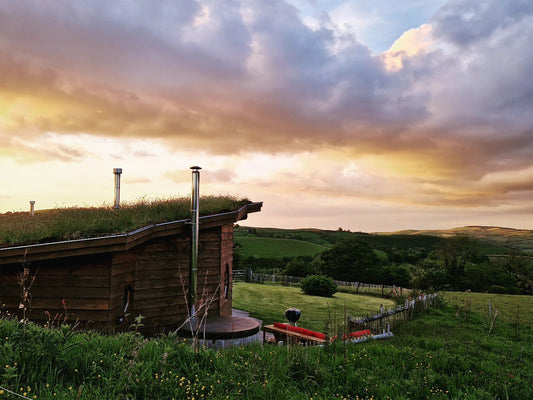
x: 429, y: 274
x: 351, y: 260
x: 299, y: 266
x: 455, y: 253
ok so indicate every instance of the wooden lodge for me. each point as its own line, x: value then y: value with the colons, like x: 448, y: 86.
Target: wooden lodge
x: 104, y: 283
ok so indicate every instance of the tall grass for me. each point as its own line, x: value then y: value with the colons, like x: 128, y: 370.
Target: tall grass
x: 509, y: 307
x: 440, y: 356
x: 76, y: 223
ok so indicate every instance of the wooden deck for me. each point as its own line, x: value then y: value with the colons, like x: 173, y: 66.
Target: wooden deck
x: 224, y: 328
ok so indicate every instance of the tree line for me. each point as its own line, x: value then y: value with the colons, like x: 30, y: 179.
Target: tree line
x: 454, y: 263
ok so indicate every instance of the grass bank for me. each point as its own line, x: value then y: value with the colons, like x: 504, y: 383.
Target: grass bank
x: 437, y: 356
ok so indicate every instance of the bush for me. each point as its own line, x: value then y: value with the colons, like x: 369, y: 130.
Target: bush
x: 319, y: 285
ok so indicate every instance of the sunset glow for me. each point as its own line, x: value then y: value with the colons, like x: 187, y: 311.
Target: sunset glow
x: 371, y: 116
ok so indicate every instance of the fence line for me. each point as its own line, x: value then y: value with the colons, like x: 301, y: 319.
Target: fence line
x: 239, y: 275
x: 357, y: 287
x: 404, y: 312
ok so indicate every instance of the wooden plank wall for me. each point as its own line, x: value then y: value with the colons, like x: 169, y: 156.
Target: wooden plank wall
x: 162, y: 267
x: 226, y: 270
x: 122, y: 276
x: 93, y: 286
x: 162, y: 278
x: 81, y: 282
x: 209, y: 266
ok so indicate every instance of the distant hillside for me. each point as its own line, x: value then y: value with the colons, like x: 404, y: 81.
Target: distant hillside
x: 518, y: 239
x: 293, y: 242
x: 275, y: 242
x: 277, y: 248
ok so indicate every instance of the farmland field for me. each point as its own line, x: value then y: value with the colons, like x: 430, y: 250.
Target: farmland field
x: 277, y: 248
x: 508, y: 306
x: 500, y: 241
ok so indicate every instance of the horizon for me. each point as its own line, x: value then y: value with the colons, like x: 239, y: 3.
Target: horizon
x: 370, y: 116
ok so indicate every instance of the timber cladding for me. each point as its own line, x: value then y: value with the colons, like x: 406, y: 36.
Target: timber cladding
x: 111, y: 281
x: 71, y: 289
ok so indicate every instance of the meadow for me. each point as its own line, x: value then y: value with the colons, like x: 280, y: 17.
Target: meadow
x: 509, y: 308
x: 263, y: 247
x: 444, y: 354
x: 269, y: 302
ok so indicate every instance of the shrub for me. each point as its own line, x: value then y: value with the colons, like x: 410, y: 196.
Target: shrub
x: 319, y: 285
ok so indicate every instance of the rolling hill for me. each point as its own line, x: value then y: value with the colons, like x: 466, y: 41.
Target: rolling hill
x: 276, y: 242
x: 509, y: 238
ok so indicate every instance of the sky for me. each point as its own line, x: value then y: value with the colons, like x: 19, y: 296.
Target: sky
x: 371, y: 116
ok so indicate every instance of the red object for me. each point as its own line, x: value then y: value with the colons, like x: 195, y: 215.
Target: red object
x: 358, y: 334
x: 299, y: 330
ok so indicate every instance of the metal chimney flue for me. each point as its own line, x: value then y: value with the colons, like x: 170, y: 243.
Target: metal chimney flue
x: 32, y: 207
x: 117, y: 172
x: 195, y: 218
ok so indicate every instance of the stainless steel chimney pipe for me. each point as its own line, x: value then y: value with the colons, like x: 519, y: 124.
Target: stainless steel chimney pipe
x: 195, y: 218
x: 117, y: 172
x: 32, y: 207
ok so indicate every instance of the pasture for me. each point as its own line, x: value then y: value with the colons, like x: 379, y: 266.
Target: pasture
x: 508, y: 306
x: 269, y: 302
x: 277, y: 248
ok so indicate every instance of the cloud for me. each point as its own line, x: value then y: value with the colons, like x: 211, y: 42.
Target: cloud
x: 466, y: 23
x: 219, y: 176
x: 236, y: 77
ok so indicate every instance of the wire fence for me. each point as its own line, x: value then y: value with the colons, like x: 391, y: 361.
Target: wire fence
x: 351, y: 287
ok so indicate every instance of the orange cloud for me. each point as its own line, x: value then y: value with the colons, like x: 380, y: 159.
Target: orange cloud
x: 447, y: 125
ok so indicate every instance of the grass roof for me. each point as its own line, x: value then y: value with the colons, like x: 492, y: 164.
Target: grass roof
x: 77, y: 223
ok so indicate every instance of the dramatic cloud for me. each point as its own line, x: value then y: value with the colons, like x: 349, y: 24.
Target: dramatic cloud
x: 443, y: 117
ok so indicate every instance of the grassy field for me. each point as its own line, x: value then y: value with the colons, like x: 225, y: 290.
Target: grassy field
x: 440, y: 355
x: 277, y: 248
x: 495, y: 239
x: 329, y: 238
x: 508, y: 306
x: 268, y: 303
